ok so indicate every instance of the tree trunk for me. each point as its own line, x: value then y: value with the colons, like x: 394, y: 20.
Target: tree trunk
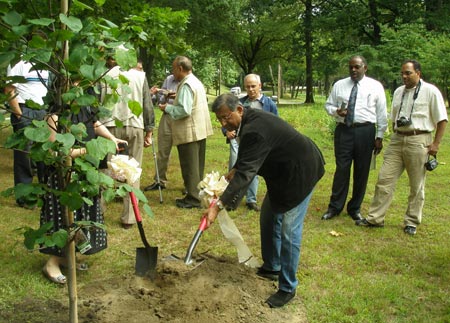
x: 308, y: 51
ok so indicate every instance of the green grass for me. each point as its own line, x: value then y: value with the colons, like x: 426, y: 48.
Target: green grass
x: 364, y: 275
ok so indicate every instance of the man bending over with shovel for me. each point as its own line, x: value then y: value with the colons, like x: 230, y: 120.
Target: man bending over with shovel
x: 291, y: 165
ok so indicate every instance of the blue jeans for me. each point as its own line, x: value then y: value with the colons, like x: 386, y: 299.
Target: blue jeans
x: 281, y: 237
x: 252, y: 189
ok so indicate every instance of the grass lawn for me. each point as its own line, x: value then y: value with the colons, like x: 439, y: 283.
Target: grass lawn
x: 361, y: 275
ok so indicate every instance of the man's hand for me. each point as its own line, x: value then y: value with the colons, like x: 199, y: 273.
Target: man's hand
x: 162, y: 106
x: 231, y: 134
x: 148, y: 139
x: 378, y: 146
x: 211, y: 215
x: 230, y: 175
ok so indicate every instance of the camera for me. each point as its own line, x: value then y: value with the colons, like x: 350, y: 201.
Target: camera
x: 432, y: 163
x: 403, y: 122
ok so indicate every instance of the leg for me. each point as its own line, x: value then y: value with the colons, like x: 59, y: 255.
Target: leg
x: 291, y: 239
x: 364, y: 144
x: 390, y: 171
x: 415, y: 157
x: 135, y: 139
x: 190, y: 170
x: 252, y: 190
x: 164, y: 147
x: 270, y: 230
x: 343, y: 151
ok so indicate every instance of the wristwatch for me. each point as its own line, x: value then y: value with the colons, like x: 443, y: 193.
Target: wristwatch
x: 220, y: 205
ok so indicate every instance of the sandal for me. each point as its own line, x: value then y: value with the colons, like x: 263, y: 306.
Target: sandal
x: 60, y: 279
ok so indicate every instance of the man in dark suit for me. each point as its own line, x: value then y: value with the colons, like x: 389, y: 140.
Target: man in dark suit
x: 291, y: 165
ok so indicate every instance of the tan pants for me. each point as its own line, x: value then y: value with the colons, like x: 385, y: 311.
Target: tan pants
x: 403, y: 152
x: 135, y: 139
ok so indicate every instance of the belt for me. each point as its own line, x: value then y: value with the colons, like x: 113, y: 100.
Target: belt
x: 357, y: 125
x: 411, y: 133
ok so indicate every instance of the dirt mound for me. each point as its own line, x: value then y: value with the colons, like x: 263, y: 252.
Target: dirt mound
x: 215, y: 290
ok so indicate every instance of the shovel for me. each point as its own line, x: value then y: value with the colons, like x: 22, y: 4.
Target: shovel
x: 198, y: 234
x: 146, y: 258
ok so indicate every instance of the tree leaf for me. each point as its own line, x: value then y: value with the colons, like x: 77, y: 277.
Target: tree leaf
x: 135, y: 107
x: 60, y: 238
x: 12, y: 18
x: 72, y: 23
x: 42, y: 21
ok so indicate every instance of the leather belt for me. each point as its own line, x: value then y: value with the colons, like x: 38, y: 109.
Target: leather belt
x: 357, y: 125
x: 411, y: 133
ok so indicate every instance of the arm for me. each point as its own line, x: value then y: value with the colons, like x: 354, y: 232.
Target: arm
x: 101, y: 130
x: 13, y: 103
x: 440, y: 130
x: 185, y: 99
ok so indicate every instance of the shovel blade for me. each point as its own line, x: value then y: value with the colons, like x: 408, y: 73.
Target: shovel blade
x: 146, y: 259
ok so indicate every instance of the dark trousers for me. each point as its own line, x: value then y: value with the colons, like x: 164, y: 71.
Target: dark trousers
x: 351, y: 145
x: 192, y: 163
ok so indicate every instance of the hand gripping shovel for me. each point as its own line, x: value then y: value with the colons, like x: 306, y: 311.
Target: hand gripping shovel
x: 146, y: 258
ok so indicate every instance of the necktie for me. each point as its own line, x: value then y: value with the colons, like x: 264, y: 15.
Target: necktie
x: 351, y: 105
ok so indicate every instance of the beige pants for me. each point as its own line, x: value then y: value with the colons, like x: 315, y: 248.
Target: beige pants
x: 403, y: 152
x: 135, y: 139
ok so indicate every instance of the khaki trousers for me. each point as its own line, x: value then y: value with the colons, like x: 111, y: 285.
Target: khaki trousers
x: 403, y: 152
x: 135, y: 138
x: 164, y: 147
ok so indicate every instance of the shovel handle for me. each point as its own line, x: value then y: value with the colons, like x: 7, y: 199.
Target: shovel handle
x: 135, y: 204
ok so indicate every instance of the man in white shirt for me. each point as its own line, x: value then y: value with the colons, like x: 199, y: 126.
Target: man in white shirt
x: 34, y: 89
x: 418, y: 109
x: 358, y: 103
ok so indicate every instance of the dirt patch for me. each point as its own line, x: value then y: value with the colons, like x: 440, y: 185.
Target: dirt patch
x: 217, y: 290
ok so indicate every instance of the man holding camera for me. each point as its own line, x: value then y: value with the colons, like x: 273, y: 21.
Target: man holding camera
x: 358, y: 104
x: 418, y: 109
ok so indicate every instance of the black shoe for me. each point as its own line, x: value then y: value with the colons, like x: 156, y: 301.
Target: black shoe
x: 155, y: 186
x: 364, y: 223
x: 409, y: 229
x: 329, y: 215
x: 280, y: 298
x: 268, y: 274
x: 181, y: 203
x: 253, y: 206
x: 356, y: 216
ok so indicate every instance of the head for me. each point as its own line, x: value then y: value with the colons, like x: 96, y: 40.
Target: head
x: 411, y: 73
x: 181, y: 67
x: 139, y: 66
x: 357, y: 67
x: 252, y: 84
x: 228, y: 110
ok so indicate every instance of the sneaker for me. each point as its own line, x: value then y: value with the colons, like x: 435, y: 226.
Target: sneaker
x: 280, y: 298
x: 268, y: 274
x: 409, y: 229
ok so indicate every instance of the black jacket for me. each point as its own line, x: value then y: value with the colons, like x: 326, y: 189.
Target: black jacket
x: 290, y: 162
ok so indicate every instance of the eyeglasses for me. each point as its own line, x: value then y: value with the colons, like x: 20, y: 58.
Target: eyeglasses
x: 407, y: 73
x: 225, y: 118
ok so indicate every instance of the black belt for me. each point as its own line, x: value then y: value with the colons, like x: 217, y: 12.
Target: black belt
x: 357, y: 124
x: 411, y: 133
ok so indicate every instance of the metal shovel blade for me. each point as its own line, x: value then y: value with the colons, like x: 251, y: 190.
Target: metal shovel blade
x: 198, y: 234
x: 146, y: 260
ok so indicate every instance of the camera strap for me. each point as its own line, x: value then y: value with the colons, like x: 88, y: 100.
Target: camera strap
x: 416, y: 94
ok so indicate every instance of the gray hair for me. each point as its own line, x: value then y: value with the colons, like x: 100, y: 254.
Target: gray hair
x: 229, y: 100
